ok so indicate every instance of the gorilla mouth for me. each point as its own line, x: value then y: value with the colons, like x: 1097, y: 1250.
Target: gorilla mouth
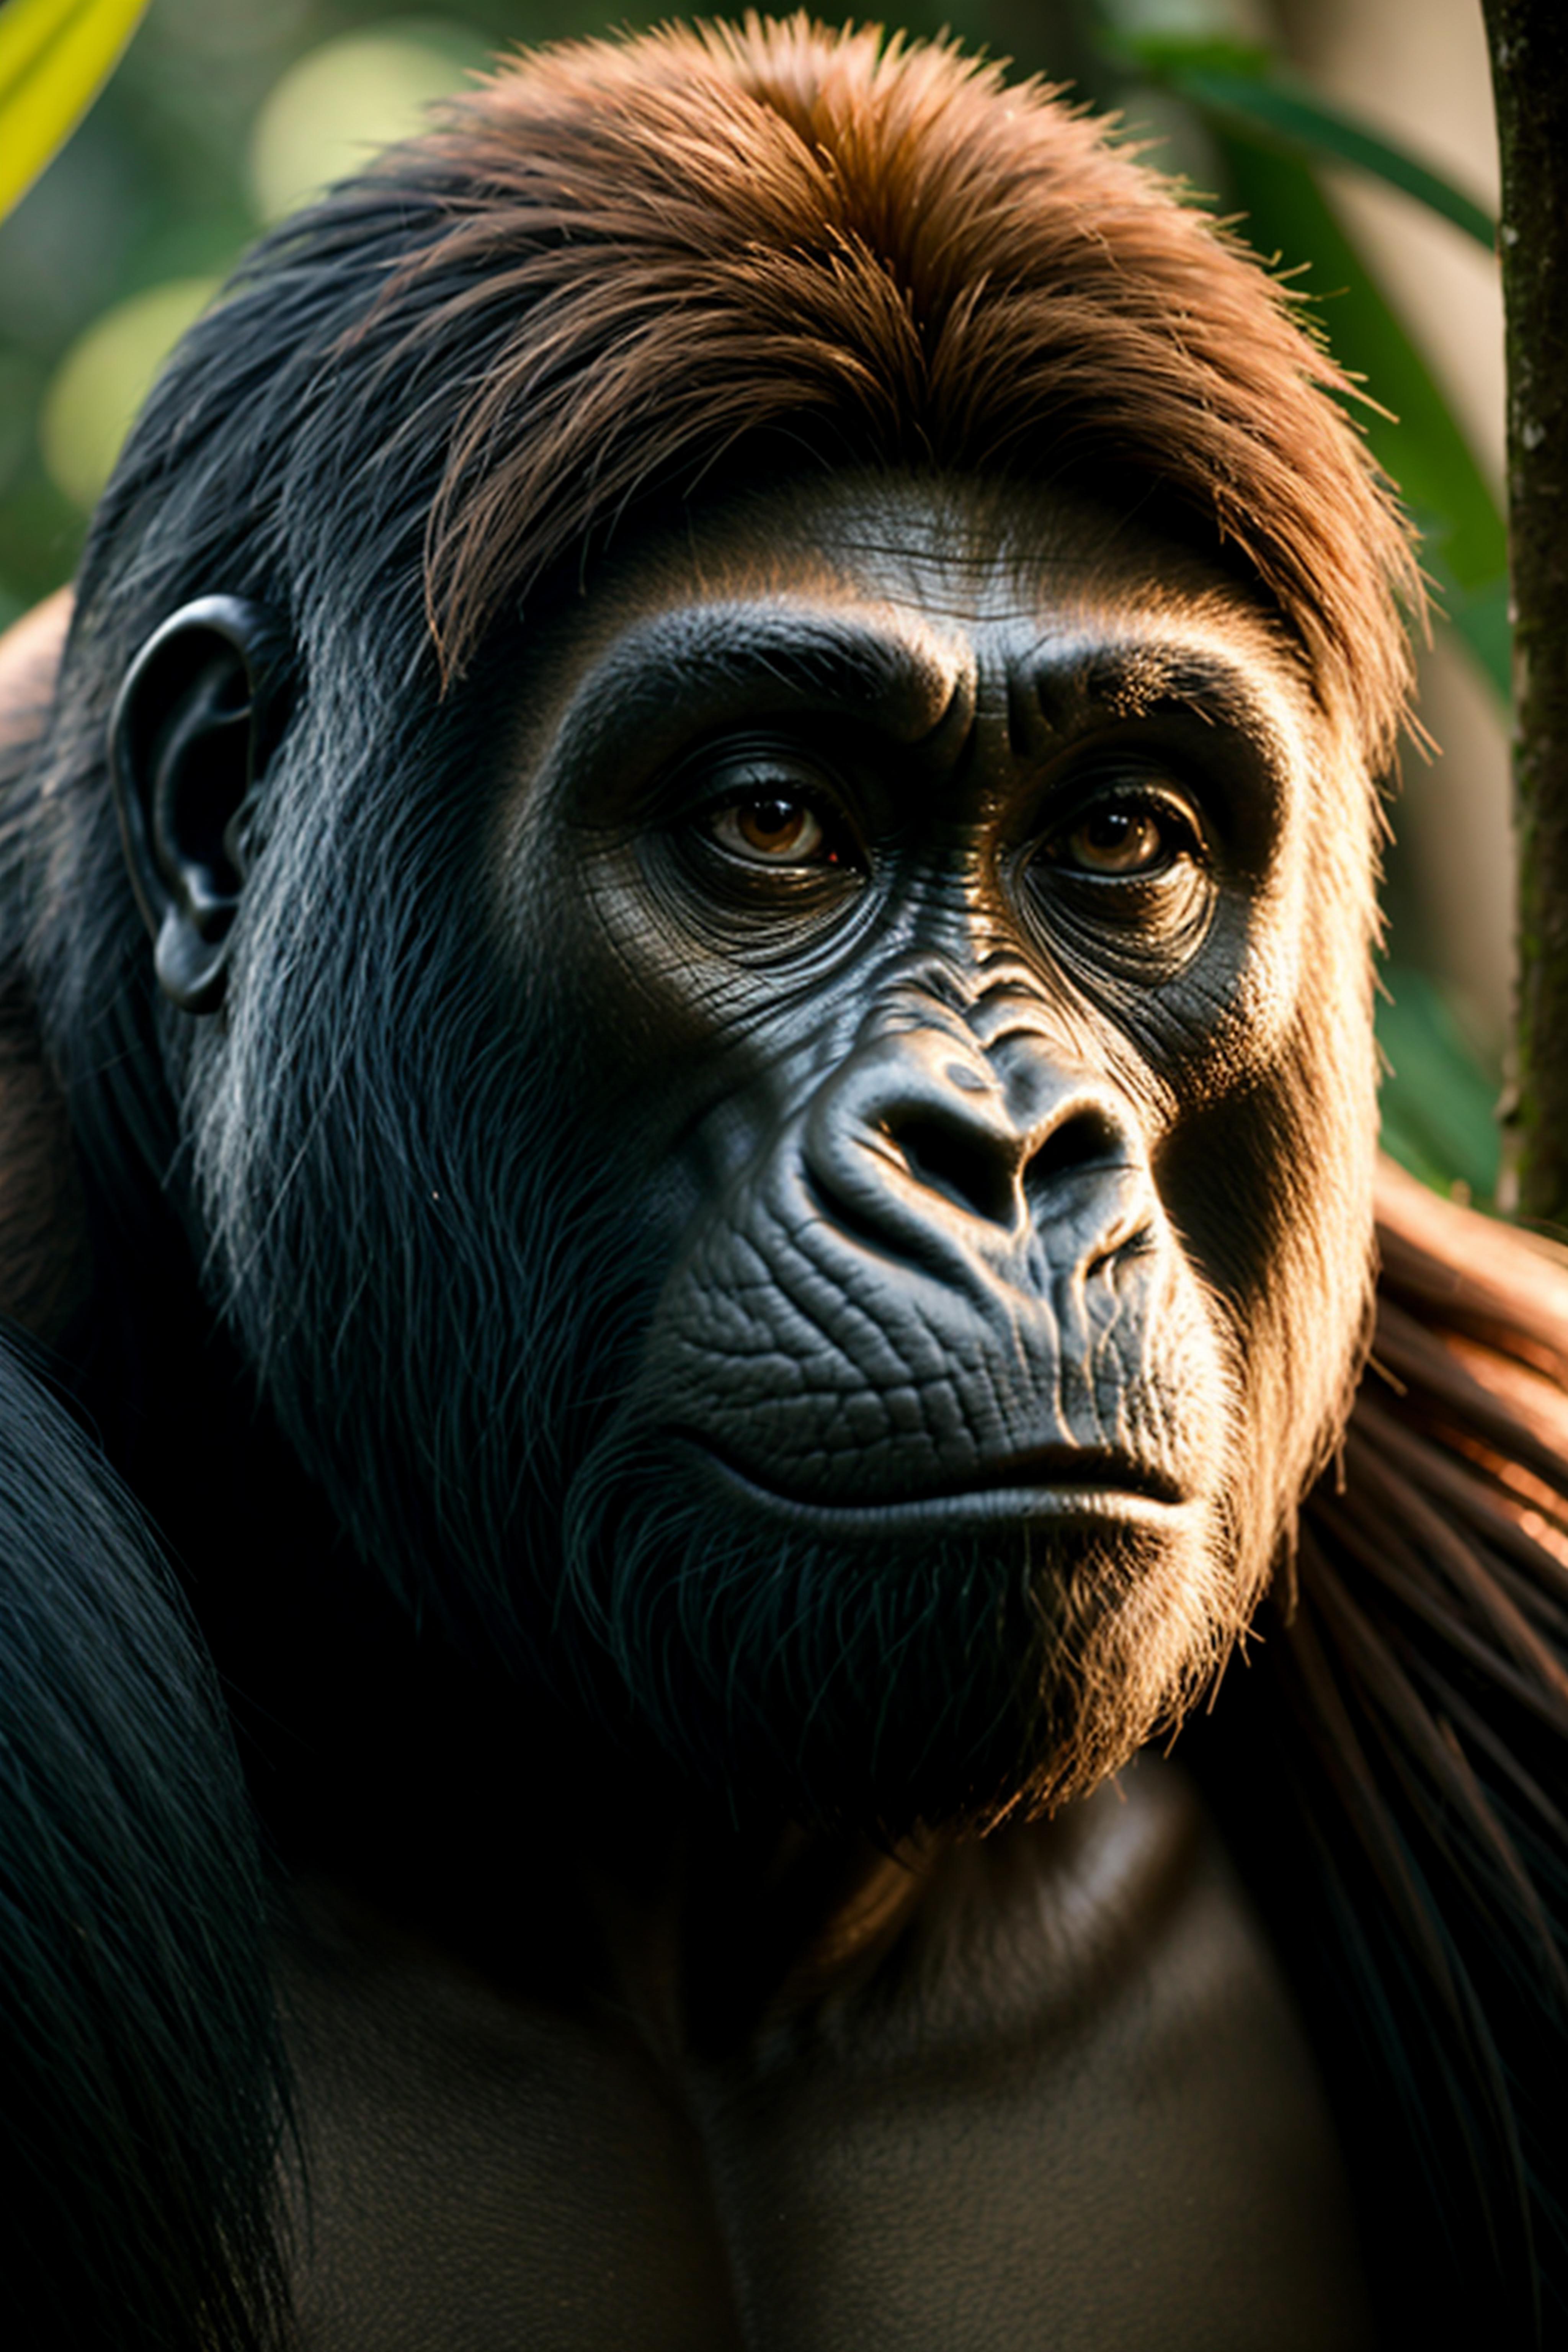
x: 1056, y: 1482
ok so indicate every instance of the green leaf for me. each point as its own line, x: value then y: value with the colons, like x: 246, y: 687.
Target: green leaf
x: 1439, y: 1104
x: 1417, y: 442
x: 1304, y: 126
x: 1238, y: 88
x: 55, y: 57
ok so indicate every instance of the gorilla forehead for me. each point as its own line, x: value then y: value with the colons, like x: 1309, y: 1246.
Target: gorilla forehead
x: 940, y: 600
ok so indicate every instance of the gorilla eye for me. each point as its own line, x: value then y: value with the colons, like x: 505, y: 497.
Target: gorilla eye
x: 1126, y: 839
x: 774, y: 829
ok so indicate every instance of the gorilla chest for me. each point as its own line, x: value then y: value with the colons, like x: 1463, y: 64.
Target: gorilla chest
x: 1020, y: 2132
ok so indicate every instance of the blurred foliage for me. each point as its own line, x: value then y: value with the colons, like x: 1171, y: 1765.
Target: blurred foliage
x: 222, y: 114
x: 225, y: 113
x: 1270, y: 135
x: 1439, y: 1103
x: 1239, y: 84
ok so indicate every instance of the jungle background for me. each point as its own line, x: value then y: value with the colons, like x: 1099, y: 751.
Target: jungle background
x: 1352, y: 141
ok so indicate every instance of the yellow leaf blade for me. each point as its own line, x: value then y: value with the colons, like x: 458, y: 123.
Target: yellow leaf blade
x: 55, y: 57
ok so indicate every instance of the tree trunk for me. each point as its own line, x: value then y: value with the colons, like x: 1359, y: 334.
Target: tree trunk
x: 1529, y: 44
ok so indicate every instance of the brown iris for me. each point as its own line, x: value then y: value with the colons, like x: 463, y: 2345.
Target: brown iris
x: 771, y: 830
x: 1122, y: 838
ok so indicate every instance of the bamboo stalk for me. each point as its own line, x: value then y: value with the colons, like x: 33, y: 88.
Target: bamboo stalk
x: 1528, y: 45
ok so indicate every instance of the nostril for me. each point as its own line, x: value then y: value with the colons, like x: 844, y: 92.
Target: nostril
x: 973, y: 1171
x: 1086, y: 1140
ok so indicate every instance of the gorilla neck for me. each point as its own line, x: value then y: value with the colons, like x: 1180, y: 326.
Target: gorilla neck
x: 633, y: 1898
x: 444, y: 1805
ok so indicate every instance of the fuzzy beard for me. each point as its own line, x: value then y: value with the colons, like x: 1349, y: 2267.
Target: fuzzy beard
x: 918, y: 1675
x: 959, y: 1681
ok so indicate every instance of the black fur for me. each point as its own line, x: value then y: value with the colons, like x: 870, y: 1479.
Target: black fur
x: 378, y: 1182
x: 140, y: 2076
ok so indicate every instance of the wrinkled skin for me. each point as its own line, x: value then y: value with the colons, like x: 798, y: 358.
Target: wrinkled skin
x: 948, y: 913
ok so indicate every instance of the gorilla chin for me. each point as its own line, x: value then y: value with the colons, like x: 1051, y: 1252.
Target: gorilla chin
x: 954, y: 1669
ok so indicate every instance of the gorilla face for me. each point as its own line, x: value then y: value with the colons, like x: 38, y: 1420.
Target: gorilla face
x: 848, y: 1289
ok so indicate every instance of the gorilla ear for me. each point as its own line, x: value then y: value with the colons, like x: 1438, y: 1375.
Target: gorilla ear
x: 199, y: 714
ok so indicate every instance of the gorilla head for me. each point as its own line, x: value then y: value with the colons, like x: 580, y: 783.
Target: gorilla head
x: 748, y: 768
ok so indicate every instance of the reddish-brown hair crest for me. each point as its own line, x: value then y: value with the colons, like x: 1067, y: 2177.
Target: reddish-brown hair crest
x: 884, y: 253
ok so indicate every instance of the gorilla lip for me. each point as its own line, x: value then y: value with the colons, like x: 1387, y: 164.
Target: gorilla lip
x: 1056, y: 1482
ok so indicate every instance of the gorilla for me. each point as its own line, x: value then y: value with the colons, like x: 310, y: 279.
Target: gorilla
x: 758, y: 1594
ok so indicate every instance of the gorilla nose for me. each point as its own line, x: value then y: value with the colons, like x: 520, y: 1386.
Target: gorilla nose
x: 997, y: 1172
x: 958, y: 1157
x: 920, y: 1138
